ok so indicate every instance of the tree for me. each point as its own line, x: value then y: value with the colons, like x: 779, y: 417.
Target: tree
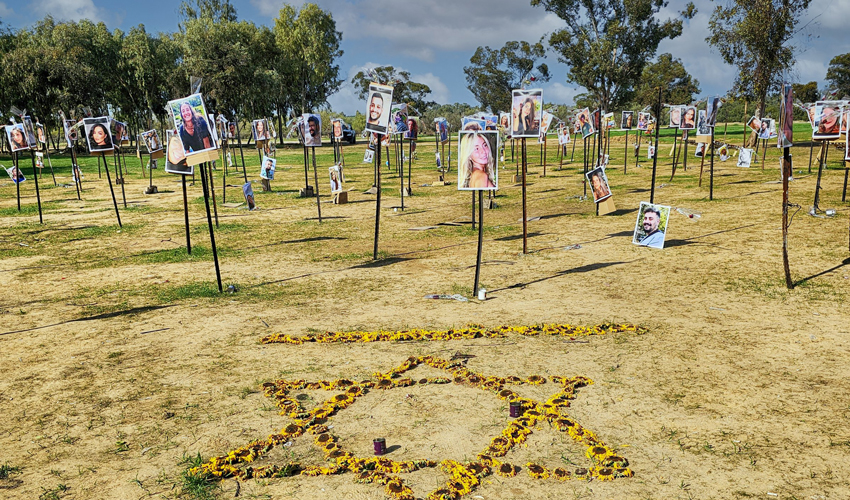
x: 606, y: 43
x: 806, y: 92
x: 668, y: 72
x: 754, y: 36
x: 838, y: 74
x: 309, y: 47
x: 404, y: 91
x: 215, y: 10
x: 494, y: 73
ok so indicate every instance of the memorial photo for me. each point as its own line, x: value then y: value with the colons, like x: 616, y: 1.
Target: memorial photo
x: 98, y: 135
x: 378, y: 108
x: 17, y: 137
x: 151, y: 140
x: 525, y: 113
x: 335, y: 179
x: 651, y: 225
x: 312, y: 129
x: 188, y: 115
x: 175, y: 155
x: 267, y: 168
x: 477, y: 160
x: 598, y: 184
x: 627, y: 120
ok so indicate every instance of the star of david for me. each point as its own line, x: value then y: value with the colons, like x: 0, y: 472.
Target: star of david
x: 463, y: 477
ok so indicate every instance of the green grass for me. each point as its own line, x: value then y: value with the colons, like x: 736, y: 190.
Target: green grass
x: 196, y: 486
x: 193, y: 290
x: 7, y: 470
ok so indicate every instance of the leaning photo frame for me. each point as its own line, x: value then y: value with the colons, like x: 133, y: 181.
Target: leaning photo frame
x: 652, y: 225
x: 189, y: 118
x: 175, y: 156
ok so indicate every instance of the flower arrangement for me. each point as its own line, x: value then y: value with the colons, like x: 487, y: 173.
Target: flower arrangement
x: 463, y: 478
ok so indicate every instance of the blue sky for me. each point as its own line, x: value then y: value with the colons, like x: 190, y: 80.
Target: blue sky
x: 434, y: 39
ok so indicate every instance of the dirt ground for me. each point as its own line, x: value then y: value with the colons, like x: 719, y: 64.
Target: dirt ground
x: 120, y: 362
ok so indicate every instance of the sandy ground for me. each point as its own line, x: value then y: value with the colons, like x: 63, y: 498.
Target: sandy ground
x: 119, y: 360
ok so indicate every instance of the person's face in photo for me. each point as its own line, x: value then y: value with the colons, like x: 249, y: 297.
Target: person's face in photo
x: 480, y: 152
x: 98, y: 134
x: 689, y: 115
x: 596, y: 182
x: 17, y: 136
x: 675, y: 115
x: 186, y: 112
x: 337, y: 129
x: 650, y: 222
x: 376, y: 107
x: 261, y: 129
x: 527, y: 107
x: 313, y: 126
x: 829, y: 119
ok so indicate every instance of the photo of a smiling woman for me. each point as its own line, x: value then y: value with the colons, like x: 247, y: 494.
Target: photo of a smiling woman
x: 17, y: 137
x: 98, y: 134
x: 192, y: 126
x: 477, y: 164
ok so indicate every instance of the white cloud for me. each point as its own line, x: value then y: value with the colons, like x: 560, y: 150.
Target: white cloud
x: 70, y: 10
x: 346, y: 99
x: 558, y: 93
x: 439, y: 90
x: 5, y: 11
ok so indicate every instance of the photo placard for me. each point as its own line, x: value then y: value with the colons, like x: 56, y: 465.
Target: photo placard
x: 675, y: 117
x: 478, y: 160
x: 151, y: 140
x: 17, y: 137
x: 335, y: 177
x: 336, y: 126
x: 526, y: 110
x: 689, y: 118
x: 378, y: 108
x: 175, y: 156
x: 15, y: 174
x: 627, y: 120
x: 267, y: 168
x: 189, y: 117
x: 98, y: 135
x: 599, y: 184
x: 651, y: 226
x: 745, y: 157
x: 584, y: 123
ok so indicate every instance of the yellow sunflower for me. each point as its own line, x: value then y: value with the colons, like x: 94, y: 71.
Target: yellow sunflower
x: 561, y: 474
x: 507, y: 470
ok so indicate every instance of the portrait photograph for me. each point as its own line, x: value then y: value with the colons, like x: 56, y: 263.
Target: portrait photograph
x: 827, y: 120
x: 545, y: 122
x: 119, y: 131
x: 17, y: 137
x: 651, y: 225
x: 378, y: 106
x: 312, y: 129
x: 598, y: 182
x: 442, y: 128
x: 267, y: 168
x: 675, y: 117
x: 98, y: 135
x: 335, y: 177
x: 689, y: 118
x: 175, y: 155
x: 39, y: 160
x: 745, y: 156
x: 702, y: 124
x: 39, y: 132
x: 767, y: 130
x: 584, y: 123
x: 29, y: 128
x: 15, y: 174
x: 189, y: 117
x: 231, y: 130
x: 412, y: 132
x: 810, y: 112
x: 699, y: 151
x: 723, y: 152
x: 151, y: 140
x: 643, y: 121
x: 627, y: 120
x: 260, y: 128
x: 477, y: 160
x: 368, y: 156
x: 272, y: 131
x: 399, y: 118
x: 70, y: 128
x: 650, y: 151
x: 563, y: 134
x: 526, y: 108
x: 248, y: 192
x: 505, y: 122
x: 471, y: 123
x: 491, y: 122
x: 754, y: 124
x: 336, y: 126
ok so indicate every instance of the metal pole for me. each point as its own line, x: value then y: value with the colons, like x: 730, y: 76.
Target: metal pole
x: 111, y: 190
x: 316, y: 177
x: 655, y: 156
x: 37, y: 194
x: 524, y: 207
x: 186, y: 213
x: 210, y: 225
x: 378, y: 197
x: 480, y: 239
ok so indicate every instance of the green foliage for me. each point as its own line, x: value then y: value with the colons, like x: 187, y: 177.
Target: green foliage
x: 404, y: 89
x: 607, y: 43
x: 7, y: 470
x: 451, y: 112
x: 838, y: 74
x: 494, y: 73
x: 807, y: 92
x: 669, y: 73
x: 755, y: 37
x: 196, y: 486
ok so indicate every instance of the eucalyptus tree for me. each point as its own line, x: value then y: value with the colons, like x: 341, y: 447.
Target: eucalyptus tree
x: 607, y: 43
x: 492, y: 74
x: 405, y: 90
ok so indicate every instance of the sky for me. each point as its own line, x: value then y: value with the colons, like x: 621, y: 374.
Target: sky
x: 434, y: 39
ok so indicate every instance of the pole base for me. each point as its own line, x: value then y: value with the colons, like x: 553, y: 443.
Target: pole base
x: 306, y: 192
x: 151, y: 190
